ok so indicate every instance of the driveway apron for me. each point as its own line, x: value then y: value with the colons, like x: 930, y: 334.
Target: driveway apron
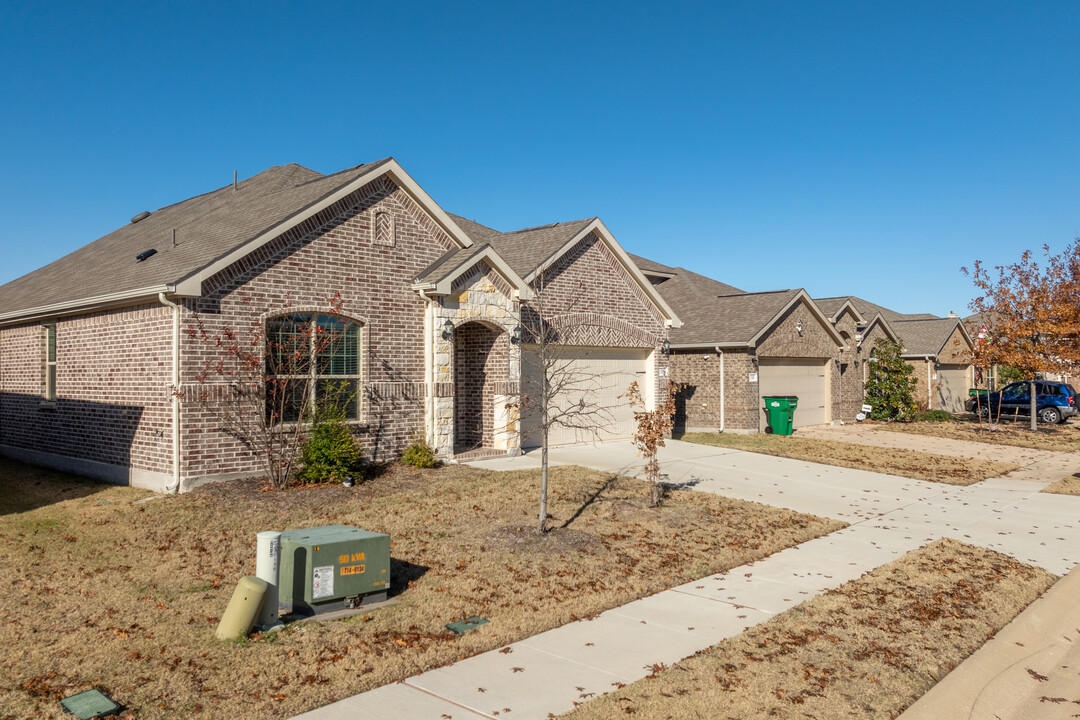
x: 552, y: 672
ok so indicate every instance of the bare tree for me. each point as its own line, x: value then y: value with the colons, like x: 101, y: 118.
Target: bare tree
x: 556, y: 391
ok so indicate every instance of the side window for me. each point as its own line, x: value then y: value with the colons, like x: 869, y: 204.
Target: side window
x: 50, y: 362
x: 1013, y: 392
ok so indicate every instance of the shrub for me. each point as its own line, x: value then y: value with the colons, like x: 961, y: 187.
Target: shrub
x: 331, y: 453
x: 933, y: 416
x: 890, y: 384
x: 419, y: 455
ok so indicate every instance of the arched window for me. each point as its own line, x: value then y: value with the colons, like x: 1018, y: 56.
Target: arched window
x: 312, y: 361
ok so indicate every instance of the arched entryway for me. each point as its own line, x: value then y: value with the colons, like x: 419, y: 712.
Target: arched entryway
x: 481, y: 370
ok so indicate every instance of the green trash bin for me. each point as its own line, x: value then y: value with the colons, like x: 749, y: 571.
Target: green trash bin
x: 779, y: 413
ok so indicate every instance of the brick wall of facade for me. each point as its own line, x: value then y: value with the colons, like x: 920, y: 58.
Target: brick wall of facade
x: 600, y: 304
x: 113, y: 373
x: 697, y: 373
x: 921, y: 394
x: 848, y: 399
x: 957, y: 350
x: 333, y: 252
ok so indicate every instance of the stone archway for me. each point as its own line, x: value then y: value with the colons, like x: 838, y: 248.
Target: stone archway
x: 481, y: 371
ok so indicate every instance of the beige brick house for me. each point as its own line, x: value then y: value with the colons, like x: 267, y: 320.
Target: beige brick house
x: 98, y: 373
x: 938, y: 349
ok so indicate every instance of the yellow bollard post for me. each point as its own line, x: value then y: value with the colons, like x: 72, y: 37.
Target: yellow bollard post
x: 243, y: 608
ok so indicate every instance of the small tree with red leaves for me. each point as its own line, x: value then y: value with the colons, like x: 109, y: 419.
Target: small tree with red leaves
x: 652, y: 427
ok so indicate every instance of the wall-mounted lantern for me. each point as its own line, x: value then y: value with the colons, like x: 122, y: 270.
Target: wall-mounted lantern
x: 447, y: 329
x: 515, y: 335
x: 665, y: 347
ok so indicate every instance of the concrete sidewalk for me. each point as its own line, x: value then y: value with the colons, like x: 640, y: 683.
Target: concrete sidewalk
x: 549, y: 673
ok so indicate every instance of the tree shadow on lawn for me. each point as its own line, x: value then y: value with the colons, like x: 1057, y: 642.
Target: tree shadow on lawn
x: 28, y: 487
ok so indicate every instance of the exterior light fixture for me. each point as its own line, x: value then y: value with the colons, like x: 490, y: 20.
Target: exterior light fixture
x: 665, y: 347
x: 448, y: 329
x: 515, y: 335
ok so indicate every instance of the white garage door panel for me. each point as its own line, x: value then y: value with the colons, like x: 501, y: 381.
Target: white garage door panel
x: 804, y: 378
x: 595, y: 377
x: 952, y: 388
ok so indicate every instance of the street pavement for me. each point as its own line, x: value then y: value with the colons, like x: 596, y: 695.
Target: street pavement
x: 889, y: 516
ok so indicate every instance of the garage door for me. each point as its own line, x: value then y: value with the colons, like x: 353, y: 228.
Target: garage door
x: 803, y: 377
x: 591, y: 378
x: 952, y: 388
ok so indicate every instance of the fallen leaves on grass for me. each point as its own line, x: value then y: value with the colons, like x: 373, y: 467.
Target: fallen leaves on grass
x: 892, y: 461
x: 865, y: 650
x: 132, y: 601
x: 1069, y: 485
x: 1059, y: 438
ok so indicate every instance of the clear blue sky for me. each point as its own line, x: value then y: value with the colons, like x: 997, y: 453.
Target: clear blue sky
x: 865, y: 148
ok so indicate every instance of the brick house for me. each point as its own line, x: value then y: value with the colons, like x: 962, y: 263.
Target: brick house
x: 734, y: 347
x: 93, y: 344
x: 938, y: 349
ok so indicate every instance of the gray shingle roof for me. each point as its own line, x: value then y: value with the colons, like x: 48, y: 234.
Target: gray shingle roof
x: 523, y: 250
x: 924, y: 337
x: 867, y: 309
x: 735, y: 318
x: 207, y: 226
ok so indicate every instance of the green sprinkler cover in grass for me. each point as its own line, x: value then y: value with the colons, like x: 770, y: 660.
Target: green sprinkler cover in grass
x: 462, y: 626
x: 90, y: 704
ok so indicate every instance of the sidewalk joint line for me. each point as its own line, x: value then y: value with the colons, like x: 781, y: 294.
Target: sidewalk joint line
x: 466, y: 708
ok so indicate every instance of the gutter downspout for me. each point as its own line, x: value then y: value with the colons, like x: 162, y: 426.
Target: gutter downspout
x: 174, y: 489
x: 720, y: 352
x: 929, y: 394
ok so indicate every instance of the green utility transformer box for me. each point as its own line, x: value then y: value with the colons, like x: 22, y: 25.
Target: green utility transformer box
x: 332, y: 568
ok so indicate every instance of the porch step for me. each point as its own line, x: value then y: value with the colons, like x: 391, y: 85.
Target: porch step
x: 479, y: 454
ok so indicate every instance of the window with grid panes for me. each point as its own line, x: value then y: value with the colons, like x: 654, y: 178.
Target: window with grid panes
x: 312, y: 360
x: 50, y: 362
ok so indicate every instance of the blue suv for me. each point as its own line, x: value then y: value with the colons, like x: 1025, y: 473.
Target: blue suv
x: 1054, y: 401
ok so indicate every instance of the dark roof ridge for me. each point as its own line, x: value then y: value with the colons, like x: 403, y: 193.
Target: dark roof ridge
x: 549, y: 225
x: 760, y: 292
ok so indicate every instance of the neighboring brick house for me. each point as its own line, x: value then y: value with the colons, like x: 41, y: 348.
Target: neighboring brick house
x: 734, y: 347
x: 938, y: 349
x: 93, y: 345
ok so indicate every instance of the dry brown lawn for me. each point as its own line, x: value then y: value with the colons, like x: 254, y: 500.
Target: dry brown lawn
x: 906, y: 463
x: 865, y: 650
x: 103, y: 591
x: 1068, y: 485
x: 1060, y: 438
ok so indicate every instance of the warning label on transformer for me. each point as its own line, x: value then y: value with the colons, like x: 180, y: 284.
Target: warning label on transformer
x: 322, y: 582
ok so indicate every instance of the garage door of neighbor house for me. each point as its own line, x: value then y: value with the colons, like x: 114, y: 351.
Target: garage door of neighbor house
x: 952, y: 388
x: 600, y: 376
x: 804, y: 377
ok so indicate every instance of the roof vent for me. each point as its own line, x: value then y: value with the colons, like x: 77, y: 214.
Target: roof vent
x: 145, y: 254
x: 141, y: 216
x: 952, y: 314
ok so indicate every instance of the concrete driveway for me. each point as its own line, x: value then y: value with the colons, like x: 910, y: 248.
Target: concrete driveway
x: 550, y: 672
